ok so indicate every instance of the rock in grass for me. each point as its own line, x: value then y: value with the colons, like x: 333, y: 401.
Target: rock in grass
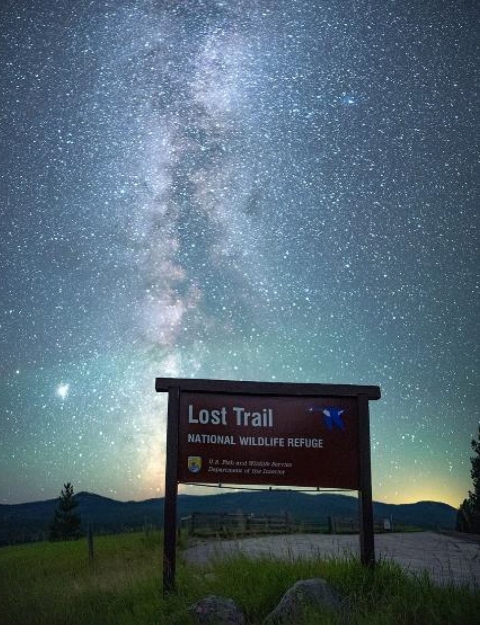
x: 314, y: 592
x: 215, y: 610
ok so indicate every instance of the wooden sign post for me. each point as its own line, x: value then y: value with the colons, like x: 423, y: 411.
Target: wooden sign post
x: 276, y: 434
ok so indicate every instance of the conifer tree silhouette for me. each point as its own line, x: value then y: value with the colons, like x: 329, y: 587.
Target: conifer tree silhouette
x: 66, y: 522
x: 468, y: 515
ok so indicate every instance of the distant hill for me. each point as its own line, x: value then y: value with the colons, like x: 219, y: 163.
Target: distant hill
x: 30, y: 521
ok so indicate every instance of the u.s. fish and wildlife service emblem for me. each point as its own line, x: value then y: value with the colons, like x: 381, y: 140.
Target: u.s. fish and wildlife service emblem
x: 194, y: 464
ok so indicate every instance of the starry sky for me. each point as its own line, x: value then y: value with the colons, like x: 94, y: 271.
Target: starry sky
x: 275, y: 190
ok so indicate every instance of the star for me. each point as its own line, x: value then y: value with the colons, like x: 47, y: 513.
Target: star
x: 62, y: 390
x: 348, y: 99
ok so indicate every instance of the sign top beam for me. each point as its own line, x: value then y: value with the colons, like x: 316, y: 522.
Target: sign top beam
x: 266, y: 388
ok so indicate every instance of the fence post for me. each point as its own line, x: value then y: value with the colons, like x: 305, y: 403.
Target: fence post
x: 90, y: 541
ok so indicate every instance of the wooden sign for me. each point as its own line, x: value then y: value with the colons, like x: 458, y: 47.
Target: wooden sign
x: 277, y: 434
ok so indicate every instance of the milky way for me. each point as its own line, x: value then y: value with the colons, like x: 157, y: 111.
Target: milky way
x: 244, y: 189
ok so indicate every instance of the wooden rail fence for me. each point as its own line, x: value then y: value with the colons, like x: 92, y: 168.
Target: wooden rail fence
x: 228, y: 524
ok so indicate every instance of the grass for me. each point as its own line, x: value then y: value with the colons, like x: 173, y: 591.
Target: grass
x: 56, y: 584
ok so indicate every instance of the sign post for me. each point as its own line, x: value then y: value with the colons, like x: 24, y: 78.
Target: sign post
x: 171, y: 491
x: 367, y: 540
x: 263, y: 433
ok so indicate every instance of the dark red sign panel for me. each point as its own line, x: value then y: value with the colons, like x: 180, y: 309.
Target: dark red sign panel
x: 245, y: 439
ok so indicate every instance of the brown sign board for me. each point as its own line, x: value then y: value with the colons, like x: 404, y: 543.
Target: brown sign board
x: 282, y: 441
x: 264, y: 433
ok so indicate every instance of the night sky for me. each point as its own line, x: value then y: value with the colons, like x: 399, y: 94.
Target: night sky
x: 276, y: 190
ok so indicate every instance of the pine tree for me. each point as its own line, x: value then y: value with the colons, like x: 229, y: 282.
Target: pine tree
x: 468, y: 515
x: 475, y: 473
x: 66, y: 522
x: 464, y: 517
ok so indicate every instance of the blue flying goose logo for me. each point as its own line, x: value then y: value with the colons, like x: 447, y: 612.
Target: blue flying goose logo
x: 332, y: 417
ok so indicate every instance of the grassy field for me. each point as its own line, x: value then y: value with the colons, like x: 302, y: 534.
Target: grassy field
x: 56, y: 584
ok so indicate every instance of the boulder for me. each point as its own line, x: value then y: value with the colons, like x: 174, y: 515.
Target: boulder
x: 213, y: 610
x: 314, y: 592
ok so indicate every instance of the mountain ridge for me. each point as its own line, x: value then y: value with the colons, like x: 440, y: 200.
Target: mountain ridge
x: 26, y: 522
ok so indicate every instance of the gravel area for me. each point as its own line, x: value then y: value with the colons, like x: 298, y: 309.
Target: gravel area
x: 447, y: 559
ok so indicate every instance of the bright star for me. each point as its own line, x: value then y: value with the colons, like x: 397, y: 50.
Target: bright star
x: 62, y: 390
x: 348, y: 99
